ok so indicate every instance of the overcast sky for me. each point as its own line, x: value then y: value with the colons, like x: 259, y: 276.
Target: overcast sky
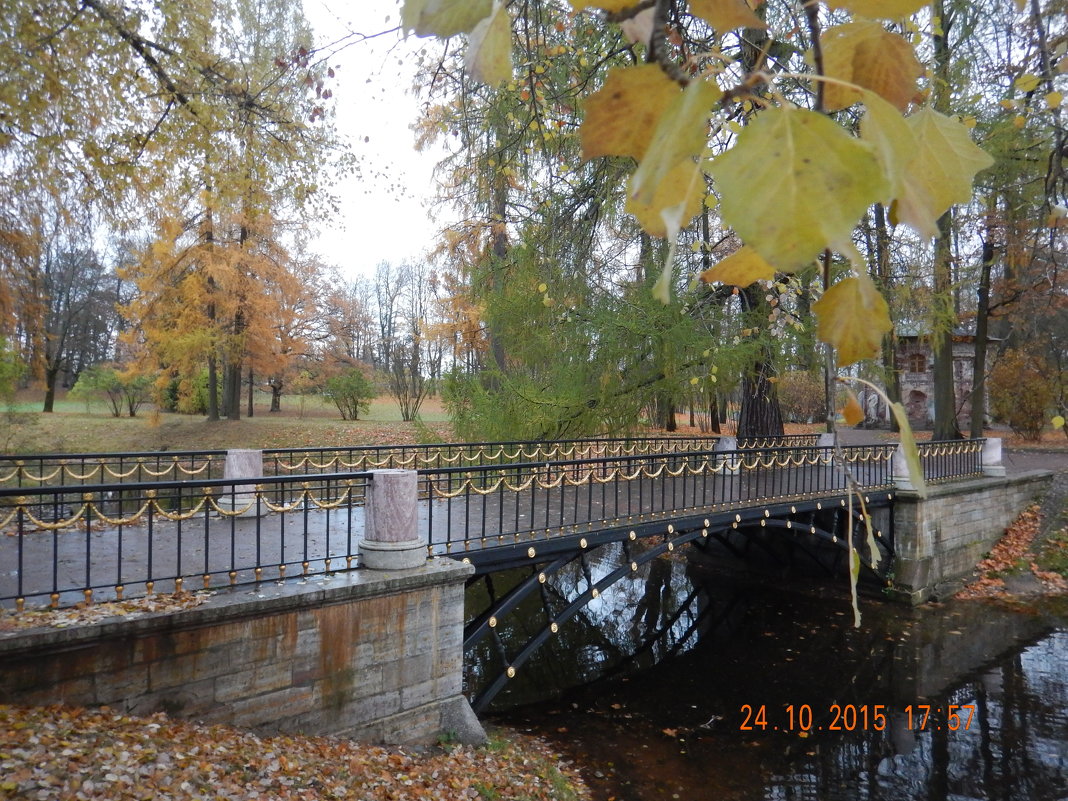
x: 385, y: 212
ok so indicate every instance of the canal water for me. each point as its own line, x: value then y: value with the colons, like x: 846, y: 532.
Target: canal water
x: 698, y: 681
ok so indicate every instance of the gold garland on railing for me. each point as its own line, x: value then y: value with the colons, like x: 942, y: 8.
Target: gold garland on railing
x: 538, y: 453
x: 100, y: 469
x: 948, y: 448
x: 152, y: 504
x: 728, y: 461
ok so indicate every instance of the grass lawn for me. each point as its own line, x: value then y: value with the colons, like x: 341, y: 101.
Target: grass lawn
x: 75, y: 428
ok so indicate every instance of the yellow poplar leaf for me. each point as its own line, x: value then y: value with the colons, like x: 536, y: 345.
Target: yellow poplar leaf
x: 794, y: 184
x: 1053, y: 99
x: 611, y: 6
x: 1027, y: 83
x: 443, y: 17
x: 895, y: 143
x: 865, y: 54
x: 908, y: 446
x: 489, y: 48
x: 682, y: 190
x: 1058, y: 422
x: 880, y: 9
x: 853, y: 412
x: 852, y: 316
x: 681, y: 135
x: 726, y: 15
x: 622, y: 115
x: 740, y: 269
x: 940, y: 171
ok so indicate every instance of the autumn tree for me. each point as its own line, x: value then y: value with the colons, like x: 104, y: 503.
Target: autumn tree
x: 220, y: 262
x: 801, y: 147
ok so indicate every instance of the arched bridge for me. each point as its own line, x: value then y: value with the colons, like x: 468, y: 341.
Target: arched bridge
x: 105, y: 526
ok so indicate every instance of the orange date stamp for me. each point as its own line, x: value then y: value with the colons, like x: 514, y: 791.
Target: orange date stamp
x: 803, y: 718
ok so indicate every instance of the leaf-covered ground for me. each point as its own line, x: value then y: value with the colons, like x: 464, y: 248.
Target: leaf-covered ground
x: 83, y: 614
x: 1018, y: 563
x: 72, y: 753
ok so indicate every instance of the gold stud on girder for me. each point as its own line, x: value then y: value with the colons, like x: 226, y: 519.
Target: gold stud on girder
x: 583, y: 543
x: 553, y: 627
x: 633, y: 567
x: 493, y: 622
x: 541, y: 578
x: 704, y: 532
x: 531, y: 552
x: 671, y: 529
x: 510, y: 672
x: 671, y: 546
x: 633, y: 535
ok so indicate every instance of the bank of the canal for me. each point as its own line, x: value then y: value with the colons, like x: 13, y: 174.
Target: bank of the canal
x: 957, y: 700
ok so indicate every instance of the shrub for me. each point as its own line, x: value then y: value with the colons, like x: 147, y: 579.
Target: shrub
x: 801, y: 396
x: 1021, y: 392
x: 123, y: 392
x: 351, y: 391
x: 11, y: 370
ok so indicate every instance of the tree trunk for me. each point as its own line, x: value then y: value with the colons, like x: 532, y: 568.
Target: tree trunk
x: 945, y: 422
x: 760, y: 415
x: 232, y: 391
x: 51, y: 376
x: 982, y: 323
x: 250, y: 409
x: 213, y: 389
x: 713, y: 414
x: 892, y: 376
x: 276, y: 395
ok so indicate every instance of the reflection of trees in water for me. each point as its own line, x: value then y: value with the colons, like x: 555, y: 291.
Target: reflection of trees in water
x: 1015, y: 750
x: 650, y: 613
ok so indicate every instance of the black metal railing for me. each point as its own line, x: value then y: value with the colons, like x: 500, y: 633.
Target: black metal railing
x: 480, y: 507
x: 951, y: 460
x: 782, y: 441
x: 105, y: 541
x: 64, y: 469
x: 136, y: 467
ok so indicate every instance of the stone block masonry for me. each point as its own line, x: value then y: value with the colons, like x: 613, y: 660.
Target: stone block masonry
x: 939, y: 540
x: 373, y: 655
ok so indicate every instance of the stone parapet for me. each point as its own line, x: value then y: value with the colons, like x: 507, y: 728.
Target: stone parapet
x: 938, y: 540
x: 365, y: 654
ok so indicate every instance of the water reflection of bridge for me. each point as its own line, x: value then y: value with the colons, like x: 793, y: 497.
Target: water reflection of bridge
x: 744, y: 639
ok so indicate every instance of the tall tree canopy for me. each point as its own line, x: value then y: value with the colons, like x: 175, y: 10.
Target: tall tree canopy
x: 792, y: 154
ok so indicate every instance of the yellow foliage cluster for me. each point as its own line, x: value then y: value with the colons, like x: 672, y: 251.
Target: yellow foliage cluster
x: 792, y: 183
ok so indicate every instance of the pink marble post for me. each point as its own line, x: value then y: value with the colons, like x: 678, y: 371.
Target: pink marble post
x: 241, y: 463
x: 392, y: 540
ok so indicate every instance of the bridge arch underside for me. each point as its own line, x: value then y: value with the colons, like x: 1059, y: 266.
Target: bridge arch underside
x: 524, y: 596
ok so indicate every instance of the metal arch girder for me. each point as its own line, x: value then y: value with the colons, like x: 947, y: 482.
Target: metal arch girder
x: 564, y: 548
x: 482, y: 700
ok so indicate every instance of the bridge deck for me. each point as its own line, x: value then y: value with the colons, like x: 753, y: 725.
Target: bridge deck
x: 472, y: 522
